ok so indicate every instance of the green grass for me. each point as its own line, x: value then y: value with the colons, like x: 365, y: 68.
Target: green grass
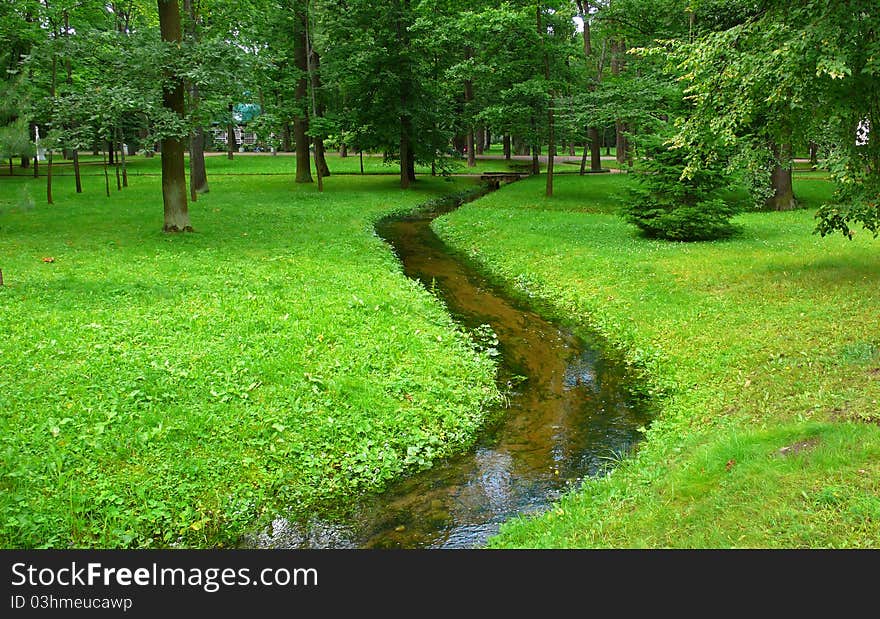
x: 747, y: 346
x: 162, y: 390
x: 261, y: 164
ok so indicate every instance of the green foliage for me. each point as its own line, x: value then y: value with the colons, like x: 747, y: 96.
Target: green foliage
x: 853, y: 202
x: 666, y: 204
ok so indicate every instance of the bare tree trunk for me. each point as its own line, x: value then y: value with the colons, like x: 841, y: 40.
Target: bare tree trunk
x: 780, y: 179
x: 505, y: 146
x: 595, y: 150
x: 122, y: 156
x: 622, y: 143
x: 551, y: 150
x: 300, y: 120
x: 286, y: 145
x: 106, y: 176
x: 551, y: 125
x: 470, y: 140
x: 231, y: 142
x: 404, y: 156
x: 76, y: 172
x: 198, y: 174
x: 407, y: 153
x: 49, y: 178
x: 480, y: 140
x: 173, y: 171
x: 584, y: 159
x: 814, y: 155
x: 321, y: 167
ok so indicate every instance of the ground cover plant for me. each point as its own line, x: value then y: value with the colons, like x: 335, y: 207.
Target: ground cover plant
x: 761, y: 353
x: 162, y: 390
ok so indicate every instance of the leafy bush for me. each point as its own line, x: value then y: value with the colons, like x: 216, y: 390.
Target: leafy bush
x: 666, y: 205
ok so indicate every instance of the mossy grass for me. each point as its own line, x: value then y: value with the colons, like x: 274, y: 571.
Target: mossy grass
x: 177, y: 390
x: 749, y: 347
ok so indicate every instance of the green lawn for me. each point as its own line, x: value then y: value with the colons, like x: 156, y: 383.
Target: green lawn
x: 762, y: 356
x: 246, y: 164
x: 165, y: 390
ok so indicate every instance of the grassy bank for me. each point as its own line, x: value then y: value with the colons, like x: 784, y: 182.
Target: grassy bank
x: 164, y: 390
x: 762, y: 354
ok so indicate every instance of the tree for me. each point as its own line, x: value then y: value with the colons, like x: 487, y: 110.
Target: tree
x: 173, y: 174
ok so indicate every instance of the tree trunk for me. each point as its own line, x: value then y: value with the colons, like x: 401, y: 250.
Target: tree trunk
x: 300, y: 120
x: 25, y: 162
x: 595, y: 150
x: 231, y: 143
x: 76, y: 172
x: 551, y: 125
x: 286, y: 145
x: 198, y: 174
x: 505, y: 146
x: 621, y: 142
x: 814, y: 155
x: 584, y: 159
x: 173, y: 171
x: 480, y: 140
x: 471, y: 140
x: 106, y: 176
x: 780, y: 180
x: 118, y: 174
x: 36, y: 167
x: 407, y: 152
x: 49, y: 178
x: 111, y: 151
x: 343, y: 150
x: 321, y: 167
x: 783, y: 193
x: 551, y: 149
x: 122, y: 156
x: 405, y: 155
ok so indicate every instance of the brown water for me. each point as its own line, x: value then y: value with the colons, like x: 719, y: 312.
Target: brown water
x: 570, y: 418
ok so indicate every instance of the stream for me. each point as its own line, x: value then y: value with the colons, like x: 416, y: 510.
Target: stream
x: 567, y: 416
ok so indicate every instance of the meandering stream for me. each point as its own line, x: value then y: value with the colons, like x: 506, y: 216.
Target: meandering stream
x: 570, y: 418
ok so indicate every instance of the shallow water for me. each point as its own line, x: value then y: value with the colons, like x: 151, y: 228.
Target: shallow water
x: 568, y: 419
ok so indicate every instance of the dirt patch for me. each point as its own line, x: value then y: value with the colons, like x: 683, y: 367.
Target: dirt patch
x: 798, y: 447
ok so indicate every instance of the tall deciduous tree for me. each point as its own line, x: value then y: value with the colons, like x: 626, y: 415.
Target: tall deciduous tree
x: 173, y: 171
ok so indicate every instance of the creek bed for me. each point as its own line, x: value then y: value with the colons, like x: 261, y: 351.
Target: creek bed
x: 567, y: 416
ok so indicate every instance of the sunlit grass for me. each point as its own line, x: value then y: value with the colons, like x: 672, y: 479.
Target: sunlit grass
x: 176, y: 389
x: 746, y: 346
